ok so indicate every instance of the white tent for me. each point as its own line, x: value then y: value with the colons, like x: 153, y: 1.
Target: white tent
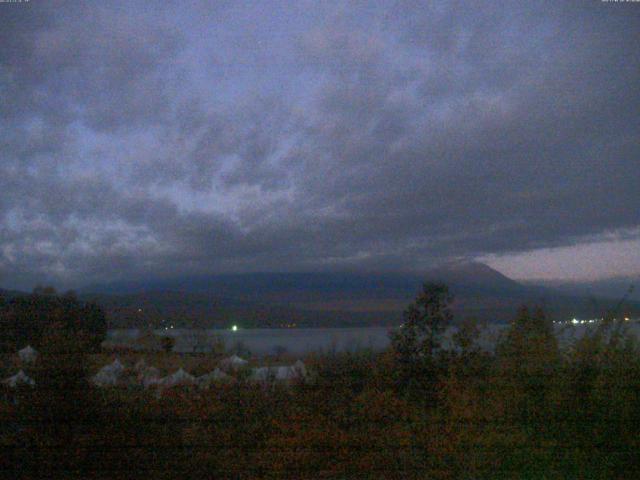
x: 151, y: 382
x: 300, y: 368
x: 270, y: 374
x: 208, y: 379
x: 19, y: 378
x: 179, y: 378
x: 105, y: 378
x: 28, y: 354
x: 148, y: 372
x: 262, y: 374
x: 116, y: 366
x: 109, y: 375
x: 286, y: 373
x: 281, y: 373
x: 291, y: 372
x: 149, y: 376
x: 234, y: 362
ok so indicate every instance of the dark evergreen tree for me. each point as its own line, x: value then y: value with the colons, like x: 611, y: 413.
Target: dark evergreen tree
x: 419, y: 339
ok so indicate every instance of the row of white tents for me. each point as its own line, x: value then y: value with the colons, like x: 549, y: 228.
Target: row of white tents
x: 148, y: 376
x: 279, y: 373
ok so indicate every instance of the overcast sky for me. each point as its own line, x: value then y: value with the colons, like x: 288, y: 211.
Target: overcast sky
x: 143, y: 139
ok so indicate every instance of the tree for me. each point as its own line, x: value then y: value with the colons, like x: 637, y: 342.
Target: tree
x: 424, y: 322
x: 61, y: 409
x: 419, y: 338
x: 530, y: 342
x: 167, y: 343
x: 61, y: 375
x: 25, y: 319
x: 466, y: 337
x: 528, y: 360
x: 45, y: 291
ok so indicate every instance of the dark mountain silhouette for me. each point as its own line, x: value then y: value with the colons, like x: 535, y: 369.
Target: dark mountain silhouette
x: 474, y: 276
x: 613, y: 288
x: 327, y: 299
x: 471, y: 275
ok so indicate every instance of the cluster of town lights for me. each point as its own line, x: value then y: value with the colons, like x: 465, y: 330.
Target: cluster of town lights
x: 576, y: 321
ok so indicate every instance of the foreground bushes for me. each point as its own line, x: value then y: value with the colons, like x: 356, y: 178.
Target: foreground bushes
x: 26, y: 319
x: 529, y: 410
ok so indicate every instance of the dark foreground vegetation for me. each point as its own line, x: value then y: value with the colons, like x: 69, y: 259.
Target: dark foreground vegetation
x: 29, y: 319
x: 529, y: 410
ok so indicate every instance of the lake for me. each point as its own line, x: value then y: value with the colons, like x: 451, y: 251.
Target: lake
x: 301, y: 341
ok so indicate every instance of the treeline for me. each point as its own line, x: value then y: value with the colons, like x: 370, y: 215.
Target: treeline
x: 26, y: 319
x: 418, y: 410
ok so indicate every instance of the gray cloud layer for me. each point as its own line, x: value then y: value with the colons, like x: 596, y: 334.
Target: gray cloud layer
x: 140, y: 139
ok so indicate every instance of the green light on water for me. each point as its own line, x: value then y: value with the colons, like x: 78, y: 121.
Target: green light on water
x: 234, y: 328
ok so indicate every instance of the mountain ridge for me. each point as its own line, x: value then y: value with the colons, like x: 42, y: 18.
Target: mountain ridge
x: 326, y: 299
x: 459, y: 273
x: 341, y: 298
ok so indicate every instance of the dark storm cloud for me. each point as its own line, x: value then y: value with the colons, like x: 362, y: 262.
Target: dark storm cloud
x: 174, y: 138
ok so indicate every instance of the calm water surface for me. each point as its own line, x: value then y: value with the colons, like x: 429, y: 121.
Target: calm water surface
x: 265, y: 341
